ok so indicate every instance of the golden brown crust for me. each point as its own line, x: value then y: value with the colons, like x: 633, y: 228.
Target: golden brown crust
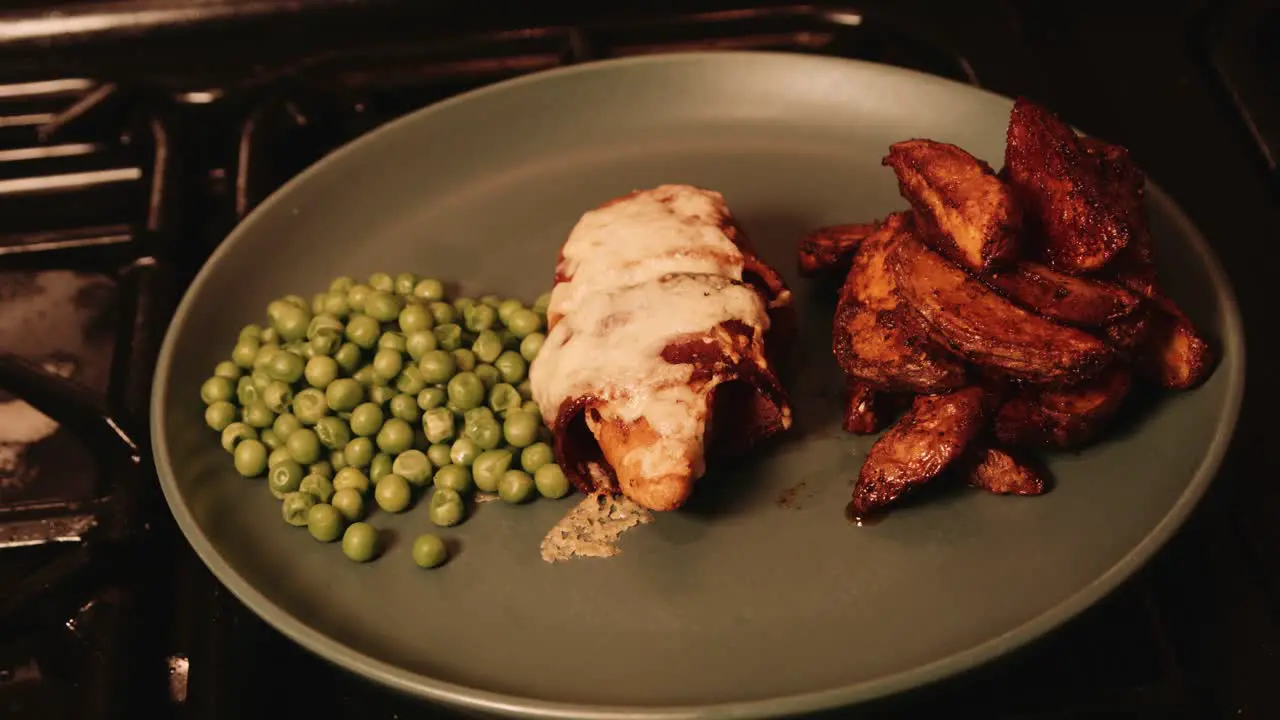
x: 875, y: 338
x: 1173, y: 354
x: 830, y: 250
x: 969, y: 215
x: 998, y: 471
x: 1066, y: 298
x: 1063, y: 192
x: 861, y: 416
x: 984, y: 328
x: 1062, y: 418
x: 916, y: 448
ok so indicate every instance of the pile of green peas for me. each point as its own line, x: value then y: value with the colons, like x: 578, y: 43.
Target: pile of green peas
x: 380, y: 391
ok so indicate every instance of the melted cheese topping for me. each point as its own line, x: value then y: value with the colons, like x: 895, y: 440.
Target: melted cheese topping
x: 644, y: 272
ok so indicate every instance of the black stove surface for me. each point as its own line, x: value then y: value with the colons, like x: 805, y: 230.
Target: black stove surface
x: 133, y: 135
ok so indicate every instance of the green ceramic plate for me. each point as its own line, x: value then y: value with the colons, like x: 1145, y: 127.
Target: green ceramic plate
x: 734, y: 607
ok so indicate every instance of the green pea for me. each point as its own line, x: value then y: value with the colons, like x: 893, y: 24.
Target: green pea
x: 366, y: 419
x: 464, y: 451
x: 348, y: 357
x: 410, y: 381
x: 392, y: 340
x: 413, y: 466
x: 216, y: 389
x: 250, y: 332
x: 258, y: 415
x: 480, y: 317
x: 442, y: 313
x: 432, y: 398
x: 438, y: 454
x: 531, y: 345
x: 507, y: 307
x: 250, y: 458
x: 415, y: 318
x: 277, y: 397
x: 525, y: 388
x: 504, y: 397
x: 466, y: 391
x: 321, y: 371
x: 227, y: 369
x: 381, y: 394
x: 438, y: 424
x: 363, y: 330
x: 532, y: 407
x: 524, y: 323
x: 324, y: 522
x: 484, y: 432
x: 464, y: 359
x: 382, y: 306
x: 448, y: 336
x: 269, y: 336
x: 462, y: 303
x: 284, y: 425
x: 349, y: 478
x: 246, y: 391
x: 445, y: 508
x: 333, y: 433
x: 236, y: 433
x: 356, y: 296
x: 382, y: 282
x: 520, y: 428
x: 219, y: 415
x: 488, y: 375
x: 359, y: 452
x: 277, y: 456
x: 341, y: 284
x: 406, y: 408
x: 437, y: 366
x: 551, y: 481
x: 349, y: 504
x: 318, y: 486
x: 542, y: 303
x: 323, y: 468
x: 429, y: 289
x: 325, y: 344
x: 285, y: 366
x: 535, y: 456
x: 388, y: 363
x: 284, y: 478
x: 392, y: 493
x: 317, y: 303
x: 395, y: 436
x: 509, y: 340
x: 491, y: 300
x: 512, y: 366
x: 324, y: 323
x: 335, y: 304
x: 271, y: 440
x: 420, y: 343
x: 516, y: 486
x: 453, y: 477
x: 260, y: 380
x: 338, y: 459
x: 366, y: 376
x: 429, y: 551
x: 295, y: 507
x: 343, y: 394
x: 360, y: 542
x: 487, y: 347
x: 382, y: 464
x: 303, y: 446
x: 488, y: 468
x: 244, y: 353
x: 291, y: 322
x: 309, y: 406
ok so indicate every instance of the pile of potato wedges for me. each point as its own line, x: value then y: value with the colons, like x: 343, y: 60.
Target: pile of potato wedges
x: 1002, y: 312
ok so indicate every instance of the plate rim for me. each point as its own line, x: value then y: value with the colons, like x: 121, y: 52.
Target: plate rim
x: 470, y: 698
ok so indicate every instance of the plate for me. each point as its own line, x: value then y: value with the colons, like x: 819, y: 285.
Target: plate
x: 742, y: 604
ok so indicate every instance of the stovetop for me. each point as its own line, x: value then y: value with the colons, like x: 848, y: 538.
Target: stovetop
x: 133, y: 135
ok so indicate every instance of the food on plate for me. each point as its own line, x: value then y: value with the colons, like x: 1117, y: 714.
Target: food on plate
x: 663, y: 329
x: 876, y: 338
x: 983, y: 327
x: 379, y: 393
x: 1065, y: 191
x: 961, y: 208
x: 932, y: 434
x: 1015, y: 310
x: 830, y: 249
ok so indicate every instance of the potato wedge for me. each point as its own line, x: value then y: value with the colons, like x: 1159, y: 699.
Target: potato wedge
x: 861, y: 416
x: 830, y: 250
x: 1173, y: 354
x: 1062, y: 418
x: 875, y: 337
x: 1063, y: 192
x: 1062, y: 297
x: 969, y: 214
x: 916, y: 448
x: 999, y: 472
x: 985, y: 328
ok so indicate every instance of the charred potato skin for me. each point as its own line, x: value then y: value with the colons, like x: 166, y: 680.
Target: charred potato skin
x: 1000, y: 472
x: 1062, y: 418
x: 829, y: 251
